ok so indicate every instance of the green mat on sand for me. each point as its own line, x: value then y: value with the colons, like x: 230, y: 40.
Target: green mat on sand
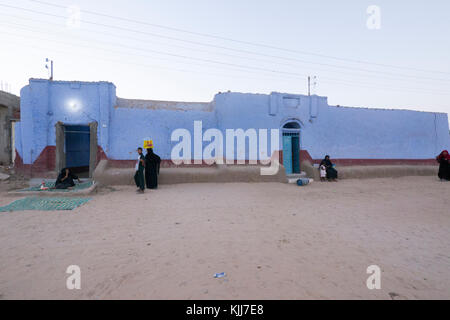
x: 44, y: 204
x: 51, y: 186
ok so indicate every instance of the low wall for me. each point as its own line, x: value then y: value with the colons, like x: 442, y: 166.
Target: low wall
x: 375, y: 171
x: 107, y: 175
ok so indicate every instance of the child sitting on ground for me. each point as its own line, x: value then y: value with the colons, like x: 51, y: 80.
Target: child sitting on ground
x: 323, y: 173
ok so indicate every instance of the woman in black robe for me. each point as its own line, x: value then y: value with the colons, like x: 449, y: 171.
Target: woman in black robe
x: 152, y: 163
x: 332, y: 173
x: 444, y: 165
x: 65, y: 179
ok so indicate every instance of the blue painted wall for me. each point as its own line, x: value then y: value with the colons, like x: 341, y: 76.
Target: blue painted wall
x: 44, y: 103
x: 343, y: 132
x: 349, y: 133
x: 131, y: 126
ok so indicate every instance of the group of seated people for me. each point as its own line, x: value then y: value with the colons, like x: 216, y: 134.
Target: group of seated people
x: 327, y: 170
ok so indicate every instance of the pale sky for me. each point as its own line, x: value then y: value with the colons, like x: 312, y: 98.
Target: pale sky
x: 190, y: 50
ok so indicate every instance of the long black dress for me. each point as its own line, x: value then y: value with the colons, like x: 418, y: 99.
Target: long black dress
x: 152, y: 163
x: 331, y: 172
x: 444, y: 167
x: 66, y: 183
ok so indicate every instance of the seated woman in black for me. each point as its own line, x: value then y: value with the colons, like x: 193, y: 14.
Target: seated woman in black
x: 65, y: 179
x: 444, y: 165
x: 332, y: 173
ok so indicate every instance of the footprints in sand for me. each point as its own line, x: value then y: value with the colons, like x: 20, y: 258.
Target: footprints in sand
x: 396, y: 296
x: 283, y: 242
x: 107, y: 287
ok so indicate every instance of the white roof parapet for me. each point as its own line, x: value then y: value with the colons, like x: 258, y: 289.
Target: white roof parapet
x: 164, y: 105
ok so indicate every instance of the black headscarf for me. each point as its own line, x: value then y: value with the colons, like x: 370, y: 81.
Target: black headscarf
x: 326, y: 162
x: 152, y: 157
x: 62, y: 174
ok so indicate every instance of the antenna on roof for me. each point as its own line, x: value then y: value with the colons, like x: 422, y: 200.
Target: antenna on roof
x: 51, y: 67
x: 314, y: 83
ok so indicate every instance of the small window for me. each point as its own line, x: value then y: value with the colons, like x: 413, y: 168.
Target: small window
x: 291, y: 102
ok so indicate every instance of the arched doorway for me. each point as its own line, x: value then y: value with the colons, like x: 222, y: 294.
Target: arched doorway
x: 291, y: 147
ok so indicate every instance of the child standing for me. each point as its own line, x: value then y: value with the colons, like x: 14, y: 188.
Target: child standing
x: 323, y: 173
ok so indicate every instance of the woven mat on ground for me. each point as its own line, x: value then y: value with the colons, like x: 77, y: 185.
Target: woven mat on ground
x: 44, y: 204
x: 51, y: 186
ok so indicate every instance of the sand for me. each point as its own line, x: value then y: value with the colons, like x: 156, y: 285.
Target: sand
x: 273, y: 240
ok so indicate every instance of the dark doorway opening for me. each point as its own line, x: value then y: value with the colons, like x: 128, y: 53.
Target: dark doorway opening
x: 80, y: 142
x: 77, y: 149
x: 296, y: 154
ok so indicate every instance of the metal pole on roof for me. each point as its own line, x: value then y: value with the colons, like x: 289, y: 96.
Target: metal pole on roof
x: 314, y: 78
x: 309, y: 86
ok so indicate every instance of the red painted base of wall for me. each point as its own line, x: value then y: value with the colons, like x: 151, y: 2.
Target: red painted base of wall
x: 46, y: 161
x: 380, y: 162
x: 164, y: 164
x: 304, y: 155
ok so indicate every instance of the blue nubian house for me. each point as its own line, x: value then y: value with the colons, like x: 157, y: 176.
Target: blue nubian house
x: 76, y: 124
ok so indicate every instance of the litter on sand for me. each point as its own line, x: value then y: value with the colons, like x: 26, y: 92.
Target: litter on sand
x: 50, y: 187
x: 220, y: 275
x: 304, y: 181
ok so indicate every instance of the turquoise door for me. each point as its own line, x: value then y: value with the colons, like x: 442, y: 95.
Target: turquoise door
x: 295, y: 154
x: 287, y: 154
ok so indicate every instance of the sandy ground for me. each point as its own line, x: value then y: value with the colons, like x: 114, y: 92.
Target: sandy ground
x: 274, y: 241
